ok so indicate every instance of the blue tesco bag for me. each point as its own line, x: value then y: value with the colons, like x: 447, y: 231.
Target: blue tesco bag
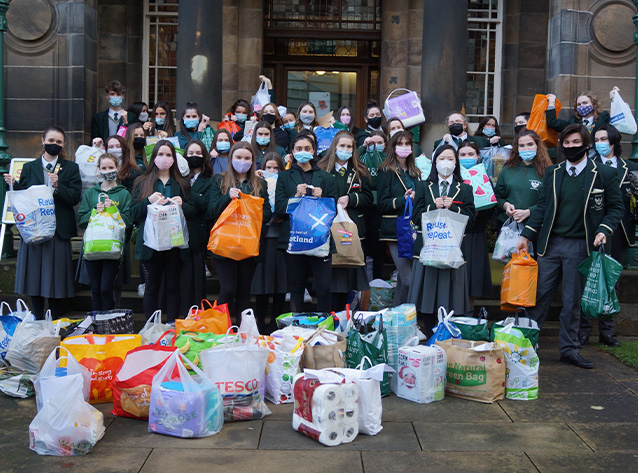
x: 8, y: 324
x: 324, y: 137
x: 310, y: 222
x: 445, y: 330
x: 406, y: 231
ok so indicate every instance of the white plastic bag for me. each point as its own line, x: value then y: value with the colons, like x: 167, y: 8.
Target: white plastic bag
x: 442, y: 232
x: 507, y: 239
x: 261, y: 98
x: 32, y: 342
x: 66, y: 425
x: 621, y: 116
x: 104, y: 235
x: 53, y: 380
x: 86, y: 158
x: 165, y: 227
x: 154, y: 329
x: 34, y: 213
x: 283, y: 364
x: 249, y: 130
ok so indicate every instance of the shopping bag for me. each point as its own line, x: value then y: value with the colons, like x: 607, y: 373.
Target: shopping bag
x: 104, y: 235
x: 165, y: 227
x: 32, y: 343
x: 132, y: 383
x: 111, y: 322
x: 103, y: 355
x: 207, y: 137
x: 507, y: 240
x: 325, y: 137
x: 538, y: 121
x: 237, y: 232
x: 372, y: 160
x: 271, y: 181
x: 475, y: 370
x: 347, y: 242
x: 261, y: 98
x: 621, y: 116
x: 445, y: 329
x: 521, y: 363
x: 406, y: 107
x: 54, y: 379
x: 283, y: 363
x: 191, y: 344
x: 215, y: 319
x: 15, y: 383
x: 528, y: 327
x: 520, y: 278
x: 34, y: 213
x: 8, y: 325
x: 310, y: 222
x: 66, y: 425
x: 183, y: 405
x: 473, y: 328
x: 155, y: 331
x: 421, y: 373
x: 86, y: 158
x: 249, y: 130
x: 365, y: 340
x: 312, y: 320
x: 406, y: 232
x: 381, y: 294
x: 442, y: 232
x: 324, y: 349
x: 477, y: 177
x: 425, y: 166
x: 599, y: 299
x: 229, y: 125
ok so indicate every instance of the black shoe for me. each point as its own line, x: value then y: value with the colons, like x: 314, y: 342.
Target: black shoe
x: 577, y: 360
x: 582, y: 341
x: 609, y: 341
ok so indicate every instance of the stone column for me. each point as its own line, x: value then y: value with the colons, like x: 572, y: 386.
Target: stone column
x: 394, y: 53
x: 444, y: 65
x: 199, y: 55
x: 249, y: 47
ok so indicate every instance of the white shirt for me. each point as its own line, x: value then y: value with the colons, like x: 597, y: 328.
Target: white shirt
x: 113, y: 123
x: 449, y: 180
x: 579, y: 167
x: 195, y: 178
x: 339, y: 166
x: 46, y: 163
x: 614, y: 161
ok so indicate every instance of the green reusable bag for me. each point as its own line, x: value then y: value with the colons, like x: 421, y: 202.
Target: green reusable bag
x: 599, y: 299
x: 373, y: 159
x: 473, y: 328
x: 190, y: 344
x: 104, y: 235
x: 371, y: 342
x: 529, y: 327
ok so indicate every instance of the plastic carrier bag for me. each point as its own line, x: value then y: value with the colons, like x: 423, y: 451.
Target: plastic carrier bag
x: 310, y: 222
x: 105, y: 234
x: 154, y: 330
x: 621, y: 116
x: 165, y: 227
x: 34, y: 213
x: 599, y: 299
x: 32, y: 343
x: 406, y: 232
x: 507, y: 239
x: 445, y: 329
x: 521, y: 363
x: 442, y: 235
x: 406, y: 107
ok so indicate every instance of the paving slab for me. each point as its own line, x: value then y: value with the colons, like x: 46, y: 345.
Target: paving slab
x: 563, y: 462
x: 279, y: 435
x: 448, y: 462
x: 575, y: 407
x: 132, y: 432
x: 562, y: 378
x: 608, y: 437
x: 280, y: 411
x: 497, y: 437
x: 609, y: 364
x: 101, y: 459
x: 16, y: 416
x: 262, y: 461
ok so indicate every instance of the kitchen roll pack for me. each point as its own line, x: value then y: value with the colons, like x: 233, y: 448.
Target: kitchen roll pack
x: 326, y: 407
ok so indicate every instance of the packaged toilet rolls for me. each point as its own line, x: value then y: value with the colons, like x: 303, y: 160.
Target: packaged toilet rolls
x: 421, y: 373
x: 326, y: 407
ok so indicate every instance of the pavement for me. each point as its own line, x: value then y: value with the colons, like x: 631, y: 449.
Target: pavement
x: 583, y: 421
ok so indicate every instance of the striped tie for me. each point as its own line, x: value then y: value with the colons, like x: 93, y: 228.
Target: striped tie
x: 444, y: 185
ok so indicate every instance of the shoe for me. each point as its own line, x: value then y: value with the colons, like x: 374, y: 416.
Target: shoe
x: 287, y: 297
x: 582, y: 341
x: 577, y: 360
x: 306, y: 296
x: 208, y: 274
x: 609, y: 341
x: 140, y: 290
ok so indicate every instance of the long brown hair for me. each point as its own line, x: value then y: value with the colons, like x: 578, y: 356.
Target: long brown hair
x: 128, y: 159
x: 277, y: 121
x: 598, y: 108
x: 541, y: 161
x: 329, y: 160
x: 391, y: 161
x: 146, y: 183
x: 299, y: 125
x: 270, y: 147
x: 169, y: 122
x: 130, y: 137
x: 221, y: 131
x: 207, y: 167
x: 230, y: 178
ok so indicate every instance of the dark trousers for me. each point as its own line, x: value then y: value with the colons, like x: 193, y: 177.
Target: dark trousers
x: 261, y: 311
x: 37, y: 307
x: 235, y: 279
x: 102, y: 275
x: 558, y: 265
x: 298, y: 266
x: 374, y: 248
x: 163, y: 263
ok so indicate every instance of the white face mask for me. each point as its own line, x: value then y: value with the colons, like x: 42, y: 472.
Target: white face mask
x: 445, y: 167
x: 143, y: 117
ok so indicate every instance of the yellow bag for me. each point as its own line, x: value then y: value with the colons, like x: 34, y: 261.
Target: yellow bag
x: 103, y: 355
x: 520, y: 278
x: 538, y: 121
x: 237, y: 232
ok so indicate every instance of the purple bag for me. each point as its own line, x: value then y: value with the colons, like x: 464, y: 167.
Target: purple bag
x: 406, y: 107
x: 406, y: 231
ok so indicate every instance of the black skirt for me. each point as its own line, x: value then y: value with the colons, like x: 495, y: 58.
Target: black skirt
x: 271, y: 275
x: 432, y: 288
x: 345, y: 280
x: 479, y: 276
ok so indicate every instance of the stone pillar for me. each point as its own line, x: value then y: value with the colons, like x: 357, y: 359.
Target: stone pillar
x: 229, y: 54
x: 199, y: 54
x: 415, y: 44
x: 394, y: 52
x: 443, y: 77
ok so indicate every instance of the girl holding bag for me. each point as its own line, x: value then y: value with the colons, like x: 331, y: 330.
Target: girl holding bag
x: 102, y: 273
x: 433, y: 287
x: 355, y: 195
x: 396, y: 182
x: 241, y: 177
x: 45, y: 270
x: 161, y: 181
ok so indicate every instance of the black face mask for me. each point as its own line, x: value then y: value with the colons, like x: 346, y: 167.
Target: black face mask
x: 269, y: 118
x: 574, y: 154
x: 518, y: 128
x: 456, y: 129
x: 195, y: 162
x: 374, y: 122
x: 139, y: 142
x: 52, y: 149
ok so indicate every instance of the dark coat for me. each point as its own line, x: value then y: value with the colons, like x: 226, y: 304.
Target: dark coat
x: 359, y: 190
x: 479, y: 140
x: 100, y: 124
x: 199, y: 226
x: 391, y: 189
x: 559, y: 125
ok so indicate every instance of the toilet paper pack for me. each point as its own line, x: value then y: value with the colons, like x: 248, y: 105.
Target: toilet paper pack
x: 421, y: 373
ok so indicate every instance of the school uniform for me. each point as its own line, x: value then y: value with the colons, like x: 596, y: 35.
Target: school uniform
x: 361, y: 136
x: 592, y: 124
x: 500, y: 142
x: 577, y: 201
x: 281, y: 138
x: 192, y: 135
x: 107, y: 122
x: 259, y: 158
x: 477, y: 259
x: 459, y: 140
x: 520, y: 186
x: 220, y: 164
x: 432, y: 287
x: 373, y: 248
x: 46, y: 269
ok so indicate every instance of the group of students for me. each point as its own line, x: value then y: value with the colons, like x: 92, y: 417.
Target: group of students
x: 221, y: 166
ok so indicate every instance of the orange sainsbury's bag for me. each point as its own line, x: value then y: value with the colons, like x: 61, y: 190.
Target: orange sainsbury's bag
x: 519, y: 282
x: 237, y: 232
x: 215, y: 319
x: 538, y: 122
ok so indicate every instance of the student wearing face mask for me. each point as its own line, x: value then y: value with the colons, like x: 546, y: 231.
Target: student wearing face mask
x: 396, y: 182
x: 488, y: 128
x: 433, y: 287
x: 108, y: 122
x: 235, y: 277
x: 263, y: 142
x: 346, y: 118
x: 140, y: 111
x: 136, y: 141
x: 520, y: 122
x: 162, y: 121
x: 194, y: 269
x: 103, y: 272
x: 288, y: 123
x: 270, y: 114
x: 355, y: 195
x: 304, y: 177
x: 192, y: 124
x: 458, y: 128
x: 373, y: 119
x: 240, y: 112
x: 394, y: 125
x: 579, y: 208
x: 608, y: 150
x: 588, y: 111
x: 306, y: 120
x: 219, y: 150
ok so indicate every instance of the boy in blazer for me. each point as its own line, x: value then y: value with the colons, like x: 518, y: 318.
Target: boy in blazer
x: 579, y: 208
x: 107, y: 122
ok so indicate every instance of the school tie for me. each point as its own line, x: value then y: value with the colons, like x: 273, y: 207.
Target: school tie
x: 573, y: 171
x: 444, y: 185
x: 115, y: 117
x: 608, y: 162
x: 342, y: 171
x: 49, y: 167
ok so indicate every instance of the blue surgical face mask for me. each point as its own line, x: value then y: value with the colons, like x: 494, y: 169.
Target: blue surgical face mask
x: 160, y: 121
x: 191, y: 123
x: 603, y: 148
x: 115, y: 101
x: 527, y: 155
x: 306, y: 118
x: 262, y: 140
x: 241, y: 117
x: 467, y: 163
x: 303, y: 157
x: 288, y: 126
x: 344, y: 155
x: 489, y: 132
x: 222, y: 146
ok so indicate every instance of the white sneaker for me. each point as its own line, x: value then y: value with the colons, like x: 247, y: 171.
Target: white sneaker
x: 306, y: 296
x: 140, y: 290
x: 208, y: 273
x: 287, y: 297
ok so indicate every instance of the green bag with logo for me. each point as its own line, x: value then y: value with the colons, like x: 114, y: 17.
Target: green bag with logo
x: 373, y: 159
x: 366, y: 340
x: 473, y: 328
x: 599, y: 299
